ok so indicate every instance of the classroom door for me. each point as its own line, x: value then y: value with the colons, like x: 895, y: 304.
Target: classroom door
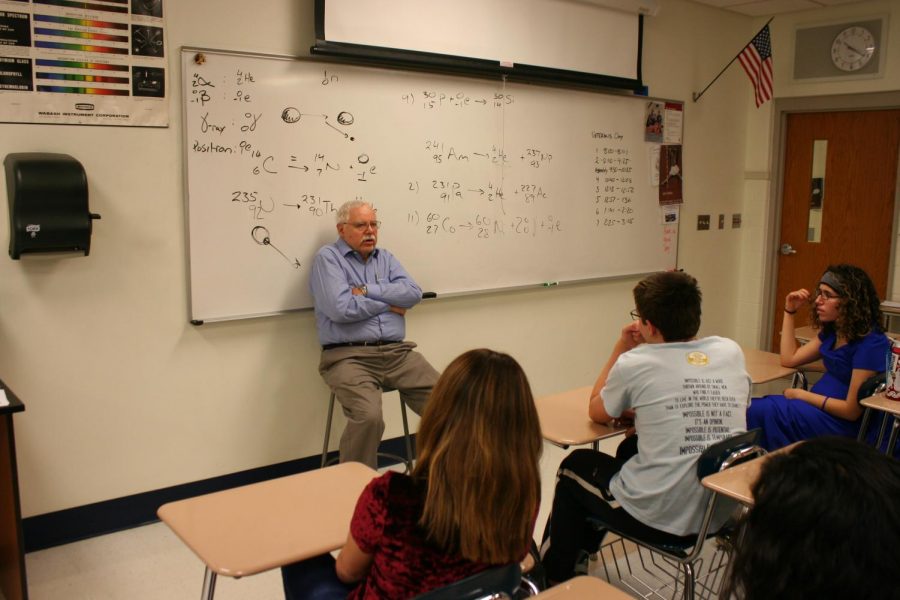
x: 840, y: 173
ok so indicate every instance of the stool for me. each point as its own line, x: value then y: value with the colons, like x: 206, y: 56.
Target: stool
x: 408, y: 461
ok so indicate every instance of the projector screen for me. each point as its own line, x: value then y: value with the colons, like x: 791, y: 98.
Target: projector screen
x: 550, y: 40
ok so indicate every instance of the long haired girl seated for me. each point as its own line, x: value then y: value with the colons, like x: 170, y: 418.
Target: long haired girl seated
x: 469, y: 504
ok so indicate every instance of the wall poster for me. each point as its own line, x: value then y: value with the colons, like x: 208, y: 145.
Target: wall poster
x: 100, y: 62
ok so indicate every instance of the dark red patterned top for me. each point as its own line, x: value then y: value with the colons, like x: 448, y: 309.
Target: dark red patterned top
x: 405, y: 564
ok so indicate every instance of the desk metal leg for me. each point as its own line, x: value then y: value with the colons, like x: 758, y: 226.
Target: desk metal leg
x: 892, y: 441
x: 864, y: 425
x: 209, y: 585
x: 880, y: 438
x: 736, y: 543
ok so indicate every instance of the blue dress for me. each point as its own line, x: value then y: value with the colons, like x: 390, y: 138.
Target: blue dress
x: 786, y: 421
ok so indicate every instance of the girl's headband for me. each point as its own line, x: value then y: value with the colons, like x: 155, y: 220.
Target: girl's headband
x: 831, y: 280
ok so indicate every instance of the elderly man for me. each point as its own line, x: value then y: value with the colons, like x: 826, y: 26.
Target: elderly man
x: 361, y: 295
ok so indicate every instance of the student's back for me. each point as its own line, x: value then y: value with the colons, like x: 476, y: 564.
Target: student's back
x: 470, y: 502
x: 405, y: 563
x: 685, y: 396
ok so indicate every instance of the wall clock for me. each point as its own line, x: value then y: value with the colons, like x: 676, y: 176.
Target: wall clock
x: 853, y: 48
x: 842, y: 50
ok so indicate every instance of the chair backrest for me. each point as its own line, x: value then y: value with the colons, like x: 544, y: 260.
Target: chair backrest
x: 874, y: 384
x: 729, y: 452
x: 498, y: 582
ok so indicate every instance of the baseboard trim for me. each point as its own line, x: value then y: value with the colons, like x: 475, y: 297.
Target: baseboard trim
x: 90, y: 520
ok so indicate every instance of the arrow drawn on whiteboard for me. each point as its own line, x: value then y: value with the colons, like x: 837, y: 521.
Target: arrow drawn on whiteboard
x: 260, y: 235
x: 292, y: 166
x: 346, y: 135
x: 293, y: 115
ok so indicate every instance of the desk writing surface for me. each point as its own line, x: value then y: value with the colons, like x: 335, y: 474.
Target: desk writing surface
x: 565, y: 422
x: 805, y: 334
x: 883, y: 403
x: 764, y: 366
x: 891, y: 308
x: 736, y: 482
x: 254, y: 528
x: 584, y: 586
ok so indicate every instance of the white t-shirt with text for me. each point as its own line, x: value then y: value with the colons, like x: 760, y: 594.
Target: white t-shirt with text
x: 686, y: 396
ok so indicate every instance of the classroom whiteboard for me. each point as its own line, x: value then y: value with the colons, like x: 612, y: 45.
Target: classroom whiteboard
x: 480, y: 185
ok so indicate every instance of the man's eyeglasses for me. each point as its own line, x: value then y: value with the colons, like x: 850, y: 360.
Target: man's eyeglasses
x: 635, y: 315
x: 363, y: 225
x: 826, y: 295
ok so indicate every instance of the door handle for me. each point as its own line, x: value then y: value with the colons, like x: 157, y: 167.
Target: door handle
x: 787, y: 249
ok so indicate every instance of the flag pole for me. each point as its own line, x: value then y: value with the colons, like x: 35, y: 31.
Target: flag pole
x: 696, y: 96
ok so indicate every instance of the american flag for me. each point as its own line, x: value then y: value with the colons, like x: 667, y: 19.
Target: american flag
x: 756, y: 58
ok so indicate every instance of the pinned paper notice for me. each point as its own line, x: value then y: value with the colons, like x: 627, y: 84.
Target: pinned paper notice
x: 3, y: 400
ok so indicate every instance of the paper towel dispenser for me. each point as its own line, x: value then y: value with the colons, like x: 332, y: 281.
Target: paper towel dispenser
x: 48, y: 204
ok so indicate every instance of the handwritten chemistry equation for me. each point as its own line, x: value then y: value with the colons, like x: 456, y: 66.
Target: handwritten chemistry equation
x: 229, y: 116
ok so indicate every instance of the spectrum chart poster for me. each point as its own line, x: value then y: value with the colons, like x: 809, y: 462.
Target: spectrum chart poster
x: 101, y: 62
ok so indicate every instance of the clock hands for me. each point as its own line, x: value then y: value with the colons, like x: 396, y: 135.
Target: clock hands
x: 852, y: 49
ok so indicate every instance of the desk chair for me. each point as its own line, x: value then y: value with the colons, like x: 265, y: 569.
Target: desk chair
x: 492, y: 584
x: 678, y: 558
x: 410, y: 457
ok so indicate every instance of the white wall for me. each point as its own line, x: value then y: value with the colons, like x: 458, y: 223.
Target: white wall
x: 123, y: 396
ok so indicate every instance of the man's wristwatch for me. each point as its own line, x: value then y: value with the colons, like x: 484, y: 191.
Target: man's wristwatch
x: 364, y: 290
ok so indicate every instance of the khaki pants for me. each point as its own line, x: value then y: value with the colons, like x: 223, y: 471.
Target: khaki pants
x: 358, y: 374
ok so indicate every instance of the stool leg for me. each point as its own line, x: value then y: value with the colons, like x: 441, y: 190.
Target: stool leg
x: 409, y: 450
x: 327, y: 431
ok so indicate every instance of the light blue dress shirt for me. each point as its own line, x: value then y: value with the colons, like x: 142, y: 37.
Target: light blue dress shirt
x: 343, y: 317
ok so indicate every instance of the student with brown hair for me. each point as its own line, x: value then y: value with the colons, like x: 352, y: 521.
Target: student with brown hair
x: 469, y: 504
x: 685, y: 394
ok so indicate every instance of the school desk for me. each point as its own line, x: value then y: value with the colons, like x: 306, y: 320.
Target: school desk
x: 12, y: 546
x: 254, y: 528
x: 581, y: 587
x: 565, y: 422
x: 805, y: 333
x: 736, y: 482
x: 884, y: 404
x: 765, y: 366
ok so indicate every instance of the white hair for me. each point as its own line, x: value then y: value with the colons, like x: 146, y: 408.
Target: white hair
x: 343, y: 213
